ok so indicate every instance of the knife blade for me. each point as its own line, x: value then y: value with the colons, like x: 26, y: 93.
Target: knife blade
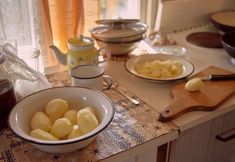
x: 218, y: 77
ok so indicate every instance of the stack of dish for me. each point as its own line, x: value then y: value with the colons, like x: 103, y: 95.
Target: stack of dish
x: 119, y: 37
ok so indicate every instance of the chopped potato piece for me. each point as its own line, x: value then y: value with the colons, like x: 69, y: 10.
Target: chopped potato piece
x: 71, y: 115
x: 56, y: 109
x: 91, y: 110
x: 86, y: 121
x: 194, y: 84
x: 61, y: 128
x: 41, y: 121
x: 75, y: 132
x: 40, y: 134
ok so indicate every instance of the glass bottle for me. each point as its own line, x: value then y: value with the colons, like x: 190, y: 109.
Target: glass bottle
x: 7, y: 98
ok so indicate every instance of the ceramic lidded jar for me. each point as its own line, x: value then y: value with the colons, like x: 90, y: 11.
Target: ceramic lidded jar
x: 81, y: 52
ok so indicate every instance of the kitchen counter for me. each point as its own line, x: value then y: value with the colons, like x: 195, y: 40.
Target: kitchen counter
x: 157, y: 95
x: 202, y: 58
x: 135, y: 129
x: 136, y: 140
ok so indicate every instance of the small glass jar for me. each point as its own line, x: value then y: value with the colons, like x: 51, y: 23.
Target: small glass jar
x: 7, y: 101
x: 7, y: 95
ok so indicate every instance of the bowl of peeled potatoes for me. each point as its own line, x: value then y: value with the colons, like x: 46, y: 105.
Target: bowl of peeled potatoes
x: 61, y: 119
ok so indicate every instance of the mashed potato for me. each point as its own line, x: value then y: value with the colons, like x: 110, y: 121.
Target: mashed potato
x: 159, y: 69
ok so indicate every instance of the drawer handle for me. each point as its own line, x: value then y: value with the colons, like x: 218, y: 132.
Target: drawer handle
x: 226, y: 136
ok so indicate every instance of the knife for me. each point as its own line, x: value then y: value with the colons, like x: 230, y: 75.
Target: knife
x: 217, y: 77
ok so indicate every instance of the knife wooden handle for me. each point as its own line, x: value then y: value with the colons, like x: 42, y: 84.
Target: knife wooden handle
x: 215, y: 77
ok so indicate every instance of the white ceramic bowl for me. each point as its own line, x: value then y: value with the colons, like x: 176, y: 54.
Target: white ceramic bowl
x: 119, y: 32
x: 120, y: 39
x: 77, y: 97
x: 118, y: 48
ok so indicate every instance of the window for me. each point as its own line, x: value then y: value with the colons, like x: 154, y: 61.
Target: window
x: 109, y: 9
x: 114, y: 9
x: 20, y: 21
x: 16, y: 28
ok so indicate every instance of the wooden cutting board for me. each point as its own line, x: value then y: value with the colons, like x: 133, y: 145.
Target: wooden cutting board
x: 208, y: 98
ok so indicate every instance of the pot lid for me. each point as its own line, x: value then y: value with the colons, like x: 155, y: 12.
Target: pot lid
x: 81, y: 41
x: 224, y: 20
x: 112, y: 21
x: 118, y: 30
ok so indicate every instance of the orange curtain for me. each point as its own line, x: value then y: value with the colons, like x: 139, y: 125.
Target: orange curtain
x: 48, y: 58
x: 65, y: 19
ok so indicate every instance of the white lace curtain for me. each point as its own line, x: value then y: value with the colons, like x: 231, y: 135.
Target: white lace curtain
x: 148, y: 13
x: 20, y: 26
x: 14, y: 21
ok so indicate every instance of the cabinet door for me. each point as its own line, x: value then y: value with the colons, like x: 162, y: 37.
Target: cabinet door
x: 199, y: 144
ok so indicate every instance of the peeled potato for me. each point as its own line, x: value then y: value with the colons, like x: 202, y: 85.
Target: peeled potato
x: 41, y: 121
x: 75, y: 132
x: 61, y: 128
x: 40, y: 134
x: 194, y: 84
x: 56, y: 109
x: 71, y: 115
x: 91, y: 110
x: 86, y: 121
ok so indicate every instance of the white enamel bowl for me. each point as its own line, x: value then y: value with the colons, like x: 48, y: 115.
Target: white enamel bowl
x: 77, y: 97
x: 118, y: 48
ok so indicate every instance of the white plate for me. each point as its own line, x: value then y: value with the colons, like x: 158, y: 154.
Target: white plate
x: 188, y: 67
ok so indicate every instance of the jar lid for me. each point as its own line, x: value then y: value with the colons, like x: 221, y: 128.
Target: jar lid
x: 81, y: 41
x: 5, y: 86
x: 2, y: 58
x: 118, y: 29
